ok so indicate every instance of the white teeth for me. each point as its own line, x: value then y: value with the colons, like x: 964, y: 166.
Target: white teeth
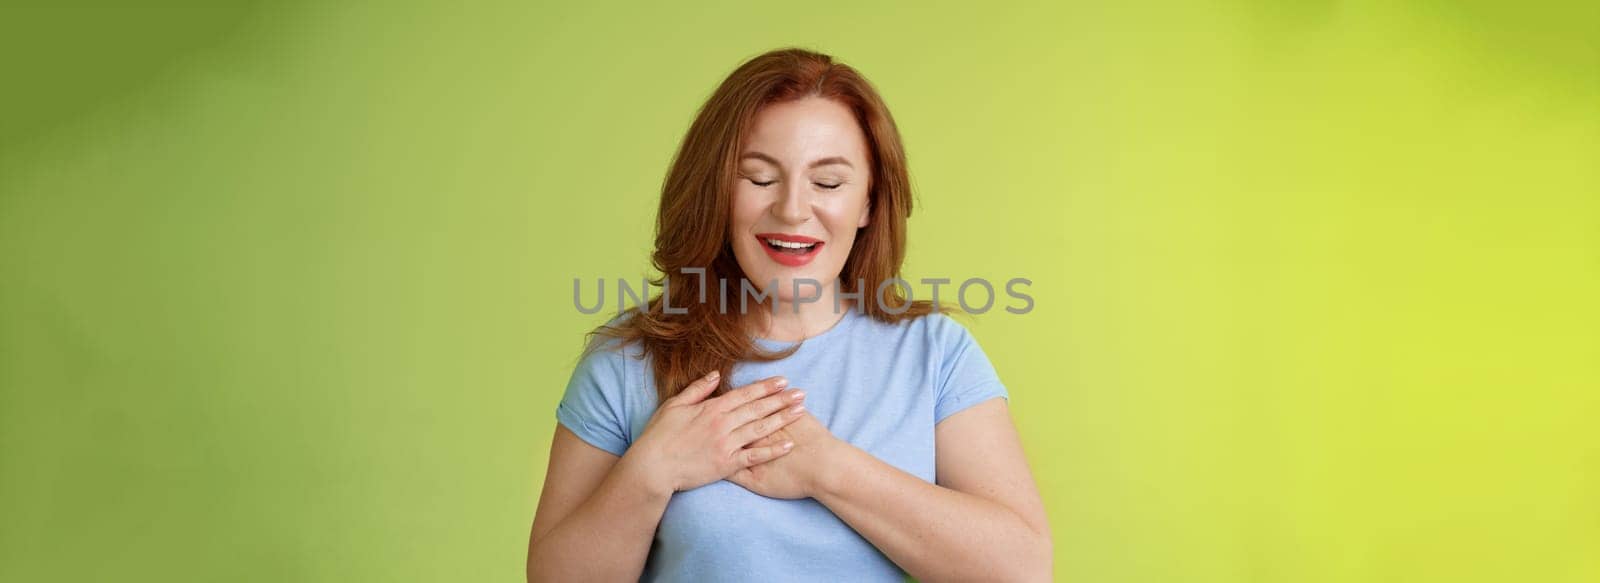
x: 787, y: 244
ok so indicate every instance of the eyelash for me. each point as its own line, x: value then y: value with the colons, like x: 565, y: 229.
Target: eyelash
x: 818, y: 184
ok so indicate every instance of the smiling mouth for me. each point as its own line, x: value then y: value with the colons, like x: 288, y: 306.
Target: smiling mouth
x: 790, y: 250
x: 790, y: 247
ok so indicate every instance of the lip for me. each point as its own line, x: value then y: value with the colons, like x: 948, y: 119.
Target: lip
x: 788, y: 238
x: 789, y: 259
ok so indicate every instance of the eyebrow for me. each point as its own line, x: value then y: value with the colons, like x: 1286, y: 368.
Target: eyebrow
x: 813, y: 164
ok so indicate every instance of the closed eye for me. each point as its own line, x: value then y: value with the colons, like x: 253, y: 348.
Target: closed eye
x: 826, y: 186
x: 761, y: 183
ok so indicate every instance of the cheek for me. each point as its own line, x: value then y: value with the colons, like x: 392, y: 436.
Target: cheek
x: 843, y: 215
x: 746, y: 210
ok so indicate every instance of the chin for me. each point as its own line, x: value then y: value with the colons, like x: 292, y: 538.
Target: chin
x: 785, y: 282
x: 786, y: 289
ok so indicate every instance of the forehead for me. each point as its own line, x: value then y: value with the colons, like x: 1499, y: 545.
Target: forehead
x: 805, y: 129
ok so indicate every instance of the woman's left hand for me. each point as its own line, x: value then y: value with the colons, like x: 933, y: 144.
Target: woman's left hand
x: 799, y: 473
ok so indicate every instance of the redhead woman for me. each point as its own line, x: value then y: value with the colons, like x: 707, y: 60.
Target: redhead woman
x: 787, y: 414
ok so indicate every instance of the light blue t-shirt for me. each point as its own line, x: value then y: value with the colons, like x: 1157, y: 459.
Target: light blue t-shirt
x: 881, y: 387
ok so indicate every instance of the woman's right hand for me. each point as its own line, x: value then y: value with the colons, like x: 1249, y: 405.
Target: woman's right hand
x: 692, y: 441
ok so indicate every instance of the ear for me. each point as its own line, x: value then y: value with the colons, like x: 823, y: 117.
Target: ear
x: 866, y: 213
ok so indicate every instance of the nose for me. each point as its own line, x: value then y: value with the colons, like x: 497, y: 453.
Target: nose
x: 792, y: 206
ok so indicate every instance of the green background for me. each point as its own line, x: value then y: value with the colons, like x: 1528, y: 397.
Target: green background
x: 285, y: 288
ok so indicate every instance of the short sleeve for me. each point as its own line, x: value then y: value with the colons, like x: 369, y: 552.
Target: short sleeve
x: 592, y: 406
x: 966, y: 376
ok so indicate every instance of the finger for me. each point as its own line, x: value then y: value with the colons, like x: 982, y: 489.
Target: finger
x: 755, y: 430
x: 765, y: 406
x: 697, y: 390
x: 755, y: 455
x: 751, y: 392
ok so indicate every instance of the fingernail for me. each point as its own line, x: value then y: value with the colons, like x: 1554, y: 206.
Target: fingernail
x: 797, y: 395
x: 797, y: 409
x: 780, y: 382
x: 714, y: 375
x: 788, y: 445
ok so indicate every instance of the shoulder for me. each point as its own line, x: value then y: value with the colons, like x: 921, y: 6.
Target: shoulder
x: 939, y: 338
x: 934, y: 331
x: 940, y: 332
x: 607, y: 351
x: 945, y: 328
x: 609, y: 347
x: 610, y: 359
x: 603, y: 397
x: 965, y: 375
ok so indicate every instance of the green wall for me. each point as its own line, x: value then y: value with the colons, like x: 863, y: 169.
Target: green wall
x: 285, y: 289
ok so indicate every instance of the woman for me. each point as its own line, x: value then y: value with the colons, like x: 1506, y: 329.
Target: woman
x: 835, y: 431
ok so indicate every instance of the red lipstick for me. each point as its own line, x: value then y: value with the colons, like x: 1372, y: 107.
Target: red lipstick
x: 791, y: 250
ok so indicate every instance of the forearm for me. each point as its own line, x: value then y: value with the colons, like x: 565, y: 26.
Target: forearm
x: 607, y: 538
x: 934, y: 533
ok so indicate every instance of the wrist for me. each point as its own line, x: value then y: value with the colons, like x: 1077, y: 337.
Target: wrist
x: 638, y: 467
x: 839, y: 463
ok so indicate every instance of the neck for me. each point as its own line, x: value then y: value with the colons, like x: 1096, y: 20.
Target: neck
x: 788, y: 321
